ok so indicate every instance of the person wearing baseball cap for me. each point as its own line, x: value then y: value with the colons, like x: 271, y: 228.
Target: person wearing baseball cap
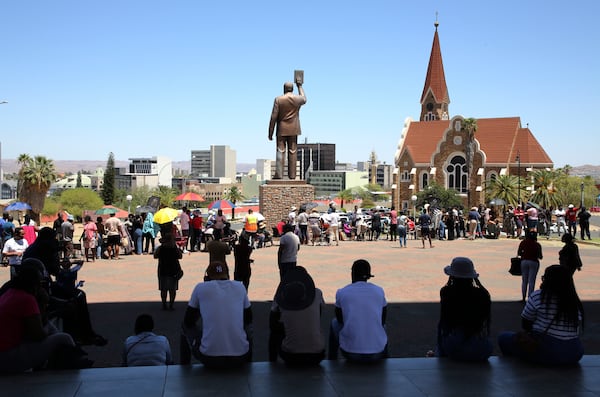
x: 224, y: 338
x: 464, y: 326
x: 360, y: 313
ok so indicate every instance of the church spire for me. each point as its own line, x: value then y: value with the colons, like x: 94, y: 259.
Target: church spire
x: 435, y: 99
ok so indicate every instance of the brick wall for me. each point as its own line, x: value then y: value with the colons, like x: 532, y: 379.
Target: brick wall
x: 278, y: 196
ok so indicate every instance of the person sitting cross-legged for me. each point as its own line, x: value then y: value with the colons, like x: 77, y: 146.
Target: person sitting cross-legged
x: 224, y: 338
x: 464, y: 326
x: 295, y: 320
x: 360, y: 313
x: 145, y: 347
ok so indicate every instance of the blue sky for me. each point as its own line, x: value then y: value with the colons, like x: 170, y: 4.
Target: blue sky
x: 144, y: 78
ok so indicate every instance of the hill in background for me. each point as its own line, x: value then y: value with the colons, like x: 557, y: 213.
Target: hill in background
x: 73, y: 166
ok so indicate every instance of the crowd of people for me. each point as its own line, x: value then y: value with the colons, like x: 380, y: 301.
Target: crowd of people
x: 217, y: 326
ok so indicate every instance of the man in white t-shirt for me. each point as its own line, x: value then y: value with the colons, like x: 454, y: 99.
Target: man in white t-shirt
x: 561, y: 225
x: 224, y: 339
x: 360, y: 313
x: 14, y: 248
x: 334, y: 222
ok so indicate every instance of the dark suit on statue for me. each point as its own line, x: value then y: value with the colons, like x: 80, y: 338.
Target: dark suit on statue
x: 286, y: 116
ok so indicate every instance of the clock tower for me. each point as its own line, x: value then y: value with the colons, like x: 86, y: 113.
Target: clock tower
x: 435, y: 99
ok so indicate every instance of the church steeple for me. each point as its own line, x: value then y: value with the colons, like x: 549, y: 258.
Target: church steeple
x: 435, y: 99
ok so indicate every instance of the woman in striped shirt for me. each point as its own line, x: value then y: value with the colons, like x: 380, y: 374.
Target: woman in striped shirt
x: 553, y: 316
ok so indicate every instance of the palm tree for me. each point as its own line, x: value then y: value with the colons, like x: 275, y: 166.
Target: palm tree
x: 35, y: 177
x: 504, y: 187
x: 545, y: 192
x: 470, y: 126
x: 345, y: 195
x: 234, y: 195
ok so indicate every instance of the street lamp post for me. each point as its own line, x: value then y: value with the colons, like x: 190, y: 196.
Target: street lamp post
x: 582, y: 186
x: 129, y: 197
x: 414, y: 200
x: 519, y: 176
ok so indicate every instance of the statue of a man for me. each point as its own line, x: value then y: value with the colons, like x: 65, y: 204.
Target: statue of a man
x: 286, y: 115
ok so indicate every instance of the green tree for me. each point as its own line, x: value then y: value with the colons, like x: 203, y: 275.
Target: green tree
x: 108, y: 187
x: 234, y: 195
x: 365, y: 196
x: 345, y: 196
x: 545, y: 193
x: 75, y: 201
x: 504, y: 187
x: 165, y: 193
x: 470, y: 126
x: 439, y: 196
x: 79, y: 184
x: 36, y: 175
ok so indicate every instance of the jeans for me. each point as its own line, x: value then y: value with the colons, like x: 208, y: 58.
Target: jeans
x: 334, y: 346
x: 99, y: 247
x: 442, y: 231
x: 402, y: 235
x: 529, y: 271
x: 137, y: 238
x: 459, y: 347
x: 552, y: 351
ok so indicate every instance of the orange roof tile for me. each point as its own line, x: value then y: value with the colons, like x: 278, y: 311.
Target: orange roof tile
x: 499, y: 139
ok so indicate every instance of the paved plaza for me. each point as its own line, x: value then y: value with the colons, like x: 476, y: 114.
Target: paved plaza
x: 119, y: 290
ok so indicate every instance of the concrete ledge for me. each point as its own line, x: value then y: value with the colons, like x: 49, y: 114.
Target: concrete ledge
x: 401, y: 376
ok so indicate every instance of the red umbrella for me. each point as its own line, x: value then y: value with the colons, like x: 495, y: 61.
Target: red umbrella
x: 189, y: 196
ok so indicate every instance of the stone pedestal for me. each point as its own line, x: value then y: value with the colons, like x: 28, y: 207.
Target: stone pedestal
x: 277, y: 196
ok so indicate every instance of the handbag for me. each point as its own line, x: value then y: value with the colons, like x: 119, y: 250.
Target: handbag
x: 515, y: 266
x: 179, y: 274
x: 527, y: 342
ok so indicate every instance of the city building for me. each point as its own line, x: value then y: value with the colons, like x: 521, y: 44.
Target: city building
x: 383, y: 175
x: 264, y: 167
x: 439, y: 148
x: 330, y: 183
x: 145, y: 171
x: 89, y: 181
x: 315, y: 157
x: 218, y: 162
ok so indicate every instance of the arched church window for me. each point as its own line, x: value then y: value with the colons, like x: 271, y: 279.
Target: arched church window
x: 424, y: 180
x: 457, y: 174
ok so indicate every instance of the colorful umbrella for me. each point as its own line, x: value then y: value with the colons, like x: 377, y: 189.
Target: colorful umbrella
x: 221, y: 205
x: 189, y: 196
x: 165, y: 215
x: 17, y: 206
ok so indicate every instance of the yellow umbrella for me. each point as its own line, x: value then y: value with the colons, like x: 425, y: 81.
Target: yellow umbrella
x: 165, y: 215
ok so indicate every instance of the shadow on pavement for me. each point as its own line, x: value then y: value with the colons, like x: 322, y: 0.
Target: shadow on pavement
x: 411, y: 327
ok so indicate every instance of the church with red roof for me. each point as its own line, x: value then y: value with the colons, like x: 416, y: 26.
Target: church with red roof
x: 443, y: 149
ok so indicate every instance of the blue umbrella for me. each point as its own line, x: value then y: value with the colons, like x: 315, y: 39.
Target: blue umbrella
x: 17, y: 206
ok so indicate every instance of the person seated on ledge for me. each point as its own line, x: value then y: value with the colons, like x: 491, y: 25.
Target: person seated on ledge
x: 67, y: 301
x: 552, y: 319
x: 295, y: 320
x: 360, y: 312
x: 464, y: 327
x: 145, y: 347
x: 224, y: 338
x: 24, y: 341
